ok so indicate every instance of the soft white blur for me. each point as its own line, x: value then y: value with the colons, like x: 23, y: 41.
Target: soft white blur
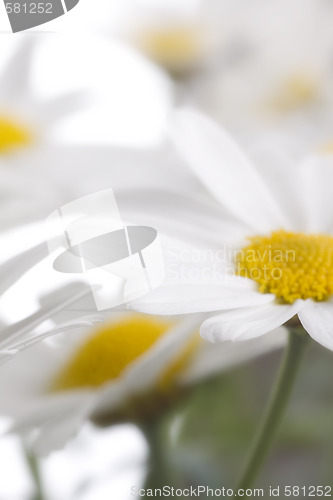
x: 98, y: 464
x: 262, y: 69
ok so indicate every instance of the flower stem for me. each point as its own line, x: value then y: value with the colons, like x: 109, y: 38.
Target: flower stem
x: 33, y: 465
x: 160, y: 471
x: 263, y: 440
x: 157, y: 467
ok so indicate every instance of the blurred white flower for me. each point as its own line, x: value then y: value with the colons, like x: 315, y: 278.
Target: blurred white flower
x: 78, y: 90
x: 131, y: 368
x: 270, y: 233
x: 182, y: 36
x: 64, y: 99
x: 259, y: 66
x: 56, y: 175
x: 285, y: 81
x: 57, y: 370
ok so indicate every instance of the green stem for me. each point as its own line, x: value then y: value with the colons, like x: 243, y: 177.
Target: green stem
x: 35, y: 473
x: 297, y: 343
x: 160, y: 470
x: 156, y: 461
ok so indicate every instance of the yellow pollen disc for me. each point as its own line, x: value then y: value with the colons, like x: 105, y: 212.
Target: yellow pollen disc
x: 173, y: 47
x: 111, y: 349
x: 290, y: 265
x: 297, y: 91
x: 12, y: 135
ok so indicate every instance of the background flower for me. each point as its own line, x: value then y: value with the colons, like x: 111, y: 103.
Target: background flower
x: 263, y: 70
x: 51, y: 111
x: 64, y: 381
x: 244, y: 64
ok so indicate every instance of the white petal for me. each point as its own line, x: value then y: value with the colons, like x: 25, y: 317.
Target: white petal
x: 249, y: 323
x: 57, y: 108
x: 55, y: 433
x: 57, y: 302
x: 316, y: 187
x: 16, y: 76
x: 128, y: 171
x: 11, y: 270
x: 201, y: 296
x: 114, y: 102
x: 215, y: 358
x: 282, y: 176
x: 180, y: 215
x: 57, y: 418
x: 224, y: 170
x: 86, y: 320
x: 317, y: 319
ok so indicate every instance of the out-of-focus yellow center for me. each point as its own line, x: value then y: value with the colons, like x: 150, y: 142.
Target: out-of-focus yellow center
x: 111, y: 349
x: 12, y: 135
x: 290, y: 265
x: 326, y: 148
x: 297, y: 91
x: 173, y: 47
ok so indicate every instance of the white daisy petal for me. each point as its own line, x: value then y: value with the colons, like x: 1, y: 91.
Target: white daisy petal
x: 244, y: 324
x: 13, y: 269
x: 85, y: 320
x: 201, y: 296
x: 57, y: 419
x: 316, y: 181
x: 59, y: 107
x: 317, y: 319
x: 282, y: 175
x: 15, y: 77
x: 224, y: 170
x: 187, y: 217
x: 55, y: 433
x: 214, y: 358
x: 15, y: 336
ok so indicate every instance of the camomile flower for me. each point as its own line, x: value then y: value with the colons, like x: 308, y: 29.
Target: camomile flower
x: 57, y: 101
x: 285, y: 82
x: 269, y: 227
x: 25, y: 119
x: 56, y: 90
x: 130, y: 368
x: 63, y: 362
x: 182, y: 37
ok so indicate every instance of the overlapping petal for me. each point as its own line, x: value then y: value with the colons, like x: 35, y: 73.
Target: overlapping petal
x: 226, y: 172
x: 317, y: 319
x: 203, y: 296
x: 249, y: 323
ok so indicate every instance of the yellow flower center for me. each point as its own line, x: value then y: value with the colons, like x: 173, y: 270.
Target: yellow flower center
x: 111, y: 349
x: 12, y: 135
x: 290, y: 265
x: 326, y: 148
x: 175, y: 48
x: 296, y: 91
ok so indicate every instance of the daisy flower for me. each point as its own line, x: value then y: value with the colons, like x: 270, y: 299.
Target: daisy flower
x: 59, y: 368
x: 129, y: 369
x: 285, y: 81
x: 182, y: 37
x: 273, y: 244
x: 44, y: 97
x: 52, y: 112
